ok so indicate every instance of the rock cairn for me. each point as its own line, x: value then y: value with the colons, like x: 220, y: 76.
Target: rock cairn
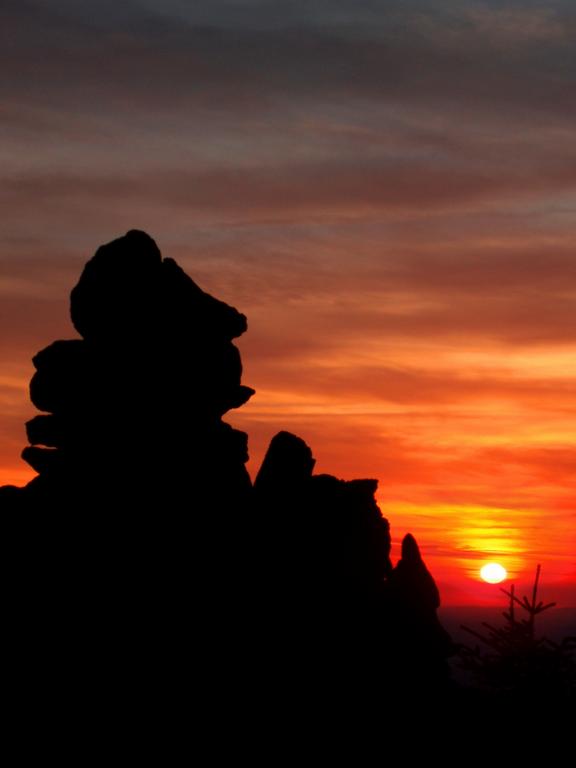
x: 137, y: 402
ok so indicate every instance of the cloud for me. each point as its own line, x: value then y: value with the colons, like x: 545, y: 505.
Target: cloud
x: 551, y: 464
x: 373, y: 384
x: 298, y: 189
x: 502, y: 59
x: 386, y: 189
x: 505, y: 338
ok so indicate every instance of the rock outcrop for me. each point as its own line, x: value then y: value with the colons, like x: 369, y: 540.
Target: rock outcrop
x: 143, y: 524
x: 137, y: 403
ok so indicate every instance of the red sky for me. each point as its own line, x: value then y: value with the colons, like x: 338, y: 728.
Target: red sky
x: 387, y: 191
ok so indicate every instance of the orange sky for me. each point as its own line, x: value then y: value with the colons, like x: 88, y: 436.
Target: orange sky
x: 390, y: 199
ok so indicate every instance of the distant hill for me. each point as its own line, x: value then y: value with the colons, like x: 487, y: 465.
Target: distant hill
x: 555, y: 624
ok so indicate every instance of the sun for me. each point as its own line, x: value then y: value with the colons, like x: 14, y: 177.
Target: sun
x: 493, y: 573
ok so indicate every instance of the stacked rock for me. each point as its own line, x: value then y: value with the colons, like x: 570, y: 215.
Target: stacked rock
x: 142, y: 533
x: 132, y: 524
x: 137, y: 404
x: 341, y: 539
x: 348, y: 617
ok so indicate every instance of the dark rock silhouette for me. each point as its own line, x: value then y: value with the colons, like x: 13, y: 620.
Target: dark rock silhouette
x: 412, y: 599
x: 143, y: 523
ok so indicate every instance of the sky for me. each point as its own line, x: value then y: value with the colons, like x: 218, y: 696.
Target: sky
x: 386, y: 189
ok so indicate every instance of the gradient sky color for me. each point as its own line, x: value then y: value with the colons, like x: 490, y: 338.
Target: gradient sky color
x: 387, y: 190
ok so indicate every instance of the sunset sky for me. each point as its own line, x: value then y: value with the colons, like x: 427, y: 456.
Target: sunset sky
x: 386, y: 189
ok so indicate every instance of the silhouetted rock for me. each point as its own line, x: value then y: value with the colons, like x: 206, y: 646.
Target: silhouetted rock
x: 143, y: 524
x: 128, y: 292
x: 412, y: 582
x: 288, y: 464
x: 10, y: 496
x: 144, y: 390
x: 418, y: 641
x: 41, y: 460
x: 326, y: 560
x: 328, y: 531
x: 65, y: 376
x: 46, y: 430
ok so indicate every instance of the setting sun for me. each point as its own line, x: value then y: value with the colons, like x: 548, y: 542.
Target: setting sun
x: 493, y: 573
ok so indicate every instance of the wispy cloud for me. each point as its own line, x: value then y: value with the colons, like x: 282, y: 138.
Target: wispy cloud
x: 386, y: 189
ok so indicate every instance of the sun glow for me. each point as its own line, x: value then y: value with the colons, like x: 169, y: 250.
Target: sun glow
x: 493, y: 573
